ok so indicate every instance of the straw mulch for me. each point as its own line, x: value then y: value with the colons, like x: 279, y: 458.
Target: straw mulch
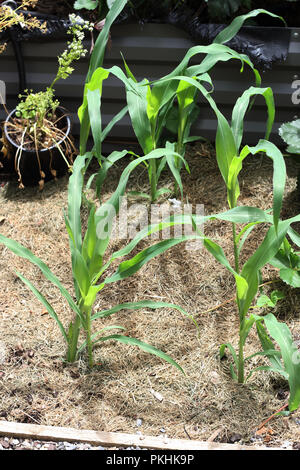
x: 130, y: 391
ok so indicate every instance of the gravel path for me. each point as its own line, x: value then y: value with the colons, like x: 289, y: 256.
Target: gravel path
x: 7, y: 443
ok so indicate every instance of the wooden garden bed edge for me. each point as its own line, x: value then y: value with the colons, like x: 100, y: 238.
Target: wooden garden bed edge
x: 112, y: 439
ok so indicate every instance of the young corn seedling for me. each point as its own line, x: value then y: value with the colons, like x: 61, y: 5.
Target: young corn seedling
x: 166, y: 103
x: 89, y: 269
x: 286, y: 360
x: 230, y: 159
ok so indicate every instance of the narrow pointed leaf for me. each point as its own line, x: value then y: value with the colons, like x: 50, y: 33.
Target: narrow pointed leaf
x: 144, y: 346
x: 138, y: 305
x: 46, y: 304
x: 290, y: 356
x: 23, y: 252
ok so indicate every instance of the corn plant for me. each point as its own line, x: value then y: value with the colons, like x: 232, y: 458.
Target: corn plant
x: 166, y: 103
x: 89, y: 267
x: 96, y: 61
x: 287, y: 260
x: 230, y: 160
x: 230, y: 157
x: 285, y: 361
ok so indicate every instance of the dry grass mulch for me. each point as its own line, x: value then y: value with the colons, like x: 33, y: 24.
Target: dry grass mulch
x: 130, y: 391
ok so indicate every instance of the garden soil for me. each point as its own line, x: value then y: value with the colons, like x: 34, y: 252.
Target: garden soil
x: 128, y: 390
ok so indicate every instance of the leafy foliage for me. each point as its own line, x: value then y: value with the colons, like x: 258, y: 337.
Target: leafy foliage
x: 288, y: 263
x: 290, y: 133
x: 265, y: 301
x: 87, y: 256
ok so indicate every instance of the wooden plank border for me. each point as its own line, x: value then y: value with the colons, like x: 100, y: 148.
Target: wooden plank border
x: 112, y: 439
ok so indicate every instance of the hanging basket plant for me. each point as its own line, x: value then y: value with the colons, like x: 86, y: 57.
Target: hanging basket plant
x: 39, y: 152
x: 37, y: 134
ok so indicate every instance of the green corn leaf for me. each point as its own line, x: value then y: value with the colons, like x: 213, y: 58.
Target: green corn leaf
x: 106, y: 165
x: 151, y: 229
x: 185, y: 96
x: 23, y: 252
x: 93, y: 260
x: 265, y: 252
x: 93, y: 102
x: 136, y: 95
x: 241, y: 106
x: 225, y: 144
x: 81, y: 273
x: 130, y: 267
x: 243, y: 235
x: 144, y: 346
x: 69, y: 230
x: 138, y: 110
x: 279, y: 172
x: 137, y: 306
x: 188, y: 111
x: 234, y: 356
x: 94, y: 335
x: 232, y: 184
x: 247, y: 324
x: 46, y: 304
x: 128, y: 71
x: 93, y: 89
x: 173, y: 167
x: 228, y: 33
x: 90, y: 297
x: 268, y: 344
x: 213, y: 57
x: 241, y: 214
x: 218, y: 253
x: 290, y: 356
x: 104, y: 221
x: 74, y: 201
x: 89, y: 241
x: 113, y: 121
x: 73, y: 221
x: 260, y: 258
x: 97, y: 56
x: 164, y: 89
x: 161, y: 167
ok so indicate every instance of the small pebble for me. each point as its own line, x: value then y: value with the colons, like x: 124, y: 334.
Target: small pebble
x: 286, y: 444
x: 86, y: 446
x: 70, y: 446
x: 51, y: 447
x: 139, y: 422
x: 4, y: 444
